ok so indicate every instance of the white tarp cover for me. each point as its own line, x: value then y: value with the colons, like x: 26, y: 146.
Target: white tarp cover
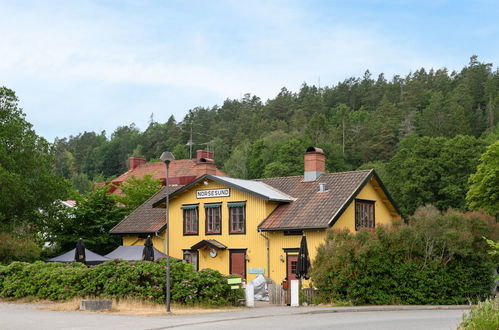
x: 260, y: 285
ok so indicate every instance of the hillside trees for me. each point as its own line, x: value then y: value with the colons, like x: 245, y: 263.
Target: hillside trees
x: 356, y: 121
x: 432, y: 170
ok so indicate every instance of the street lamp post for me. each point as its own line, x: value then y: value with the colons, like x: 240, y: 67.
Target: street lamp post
x: 167, y: 157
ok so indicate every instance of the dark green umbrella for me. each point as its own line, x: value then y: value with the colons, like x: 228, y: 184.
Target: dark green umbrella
x: 80, y: 251
x: 148, y: 252
x: 303, y: 263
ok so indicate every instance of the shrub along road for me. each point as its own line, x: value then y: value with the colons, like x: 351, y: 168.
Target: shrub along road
x: 27, y: 316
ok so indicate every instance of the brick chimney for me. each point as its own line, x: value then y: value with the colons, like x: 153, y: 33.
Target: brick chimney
x: 205, y: 166
x: 203, y: 154
x: 134, y: 162
x: 315, y: 164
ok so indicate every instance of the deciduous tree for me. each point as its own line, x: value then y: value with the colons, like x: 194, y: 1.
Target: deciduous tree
x: 484, y: 184
x: 28, y: 182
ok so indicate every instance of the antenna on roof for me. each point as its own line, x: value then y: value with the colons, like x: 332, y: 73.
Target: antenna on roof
x: 208, y: 145
x: 190, y: 143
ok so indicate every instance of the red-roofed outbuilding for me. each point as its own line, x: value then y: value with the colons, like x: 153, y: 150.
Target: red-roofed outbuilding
x: 181, y: 171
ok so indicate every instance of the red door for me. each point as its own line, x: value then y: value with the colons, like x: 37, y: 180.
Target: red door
x: 291, y: 267
x: 238, y: 263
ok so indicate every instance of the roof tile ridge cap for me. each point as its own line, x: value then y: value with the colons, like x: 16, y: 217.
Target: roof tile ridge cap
x: 277, y: 177
x: 277, y: 190
x: 127, y: 172
x: 353, y: 171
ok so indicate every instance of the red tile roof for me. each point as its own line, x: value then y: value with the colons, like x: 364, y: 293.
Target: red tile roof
x: 181, y: 172
x: 178, y: 168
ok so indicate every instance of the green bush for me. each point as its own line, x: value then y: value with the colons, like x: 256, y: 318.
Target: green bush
x: 485, y: 316
x: 437, y: 259
x: 116, y: 279
x: 18, y: 248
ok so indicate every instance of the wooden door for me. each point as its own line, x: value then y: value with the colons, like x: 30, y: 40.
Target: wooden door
x: 292, y: 261
x: 238, y: 263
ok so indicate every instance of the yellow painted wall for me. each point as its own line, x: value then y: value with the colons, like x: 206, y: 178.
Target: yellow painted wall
x: 279, y: 242
x: 315, y: 237
x: 382, y: 213
x: 157, y: 241
x: 256, y: 211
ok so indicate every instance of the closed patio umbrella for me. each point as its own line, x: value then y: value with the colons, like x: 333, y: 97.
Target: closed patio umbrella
x: 80, y: 251
x: 303, y: 263
x: 148, y: 252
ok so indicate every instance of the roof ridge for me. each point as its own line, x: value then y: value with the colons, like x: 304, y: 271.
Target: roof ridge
x: 277, y: 177
x: 299, y: 176
x: 279, y: 191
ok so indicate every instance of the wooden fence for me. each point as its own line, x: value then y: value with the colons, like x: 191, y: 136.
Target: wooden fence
x: 309, y: 295
x: 277, y: 295
x: 280, y: 296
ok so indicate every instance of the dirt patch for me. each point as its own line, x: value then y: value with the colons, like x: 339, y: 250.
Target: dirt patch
x: 134, y: 307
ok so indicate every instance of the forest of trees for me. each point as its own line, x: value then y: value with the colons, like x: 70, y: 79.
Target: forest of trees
x: 432, y: 136
x: 423, y: 133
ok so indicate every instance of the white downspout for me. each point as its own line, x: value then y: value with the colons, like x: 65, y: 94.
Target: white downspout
x: 267, y: 243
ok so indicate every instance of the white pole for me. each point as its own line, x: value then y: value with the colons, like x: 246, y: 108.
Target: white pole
x: 250, y: 295
x: 295, y: 293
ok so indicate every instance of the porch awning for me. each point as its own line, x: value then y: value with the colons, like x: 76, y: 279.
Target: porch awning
x: 211, y: 243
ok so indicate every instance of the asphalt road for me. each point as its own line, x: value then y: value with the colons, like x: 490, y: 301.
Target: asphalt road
x: 21, y: 316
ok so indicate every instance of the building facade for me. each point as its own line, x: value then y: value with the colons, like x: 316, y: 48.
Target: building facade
x: 251, y: 227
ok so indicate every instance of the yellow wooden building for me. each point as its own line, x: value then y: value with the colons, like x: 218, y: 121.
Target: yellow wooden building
x: 248, y: 227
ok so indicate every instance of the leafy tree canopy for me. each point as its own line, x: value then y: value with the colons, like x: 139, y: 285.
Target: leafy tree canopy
x: 92, y: 218
x: 484, y: 184
x: 28, y: 180
x: 432, y: 170
x: 137, y: 191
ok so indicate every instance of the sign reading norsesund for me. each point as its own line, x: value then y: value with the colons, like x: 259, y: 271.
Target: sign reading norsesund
x: 225, y: 192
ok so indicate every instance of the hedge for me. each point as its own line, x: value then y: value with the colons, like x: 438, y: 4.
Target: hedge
x: 437, y: 259
x: 116, y: 279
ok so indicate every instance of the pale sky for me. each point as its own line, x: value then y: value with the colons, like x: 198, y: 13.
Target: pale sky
x: 93, y: 65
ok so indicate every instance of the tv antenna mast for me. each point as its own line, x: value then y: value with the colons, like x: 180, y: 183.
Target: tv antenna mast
x: 208, y: 146
x: 190, y: 143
